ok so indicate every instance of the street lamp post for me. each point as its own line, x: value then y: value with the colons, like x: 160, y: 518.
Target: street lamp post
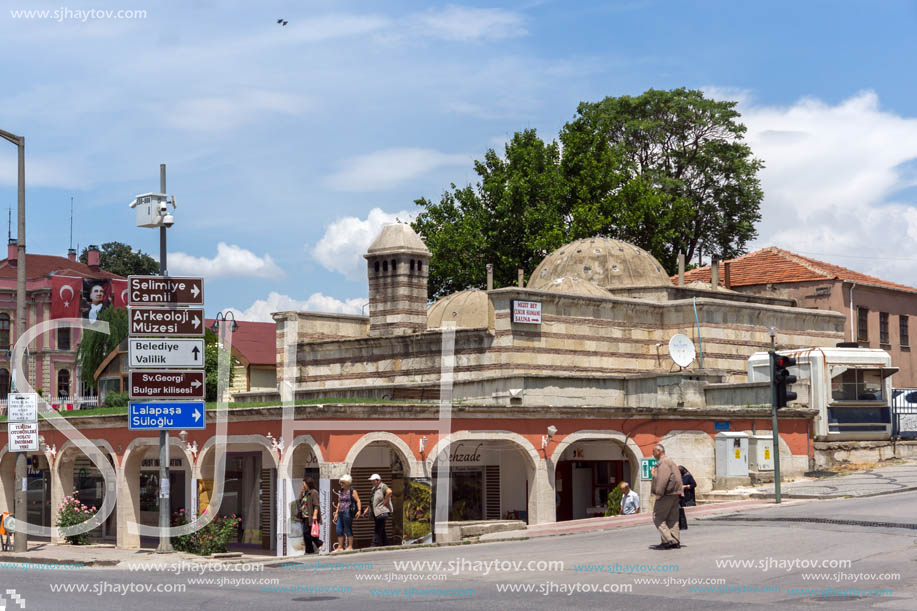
x: 20, y: 542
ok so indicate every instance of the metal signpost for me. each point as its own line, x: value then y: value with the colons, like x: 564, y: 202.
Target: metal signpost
x: 158, y: 312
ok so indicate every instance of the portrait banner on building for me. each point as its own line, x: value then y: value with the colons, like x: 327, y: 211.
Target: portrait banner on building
x: 86, y: 297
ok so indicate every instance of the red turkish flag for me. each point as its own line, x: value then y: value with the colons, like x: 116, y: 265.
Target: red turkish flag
x: 65, y: 297
x: 119, y: 293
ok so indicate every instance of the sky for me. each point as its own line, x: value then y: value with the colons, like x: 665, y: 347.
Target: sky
x: 288, y: 147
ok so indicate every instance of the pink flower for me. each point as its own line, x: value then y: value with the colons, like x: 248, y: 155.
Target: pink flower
x: 204, y: 511
x: 182, y: 510
x: 94, y: 508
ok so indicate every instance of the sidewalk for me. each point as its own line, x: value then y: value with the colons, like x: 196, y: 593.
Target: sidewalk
x: 84, y: 556
x: 598, y: 524
x: 873, y: 482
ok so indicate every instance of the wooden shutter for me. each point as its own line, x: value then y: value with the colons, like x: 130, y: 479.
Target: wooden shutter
x: 363, y: 527
x: 267, y: 486
x: 492, y: 492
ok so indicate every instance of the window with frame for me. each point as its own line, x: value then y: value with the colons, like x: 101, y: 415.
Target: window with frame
x: 63, y: 383
x: 862, y: 325
x: 883, y: 328
x: 903, y: 331
x: 4, y: 383
x: 4, y: 330
x: 63, y: 339
x: 857, y: 385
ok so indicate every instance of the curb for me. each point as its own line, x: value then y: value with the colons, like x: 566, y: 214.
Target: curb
x: 76, y: 564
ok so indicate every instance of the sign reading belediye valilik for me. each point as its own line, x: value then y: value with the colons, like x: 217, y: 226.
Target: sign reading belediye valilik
x: 159, y: 316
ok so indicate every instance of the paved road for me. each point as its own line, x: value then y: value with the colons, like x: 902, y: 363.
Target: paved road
x: 710, y: 542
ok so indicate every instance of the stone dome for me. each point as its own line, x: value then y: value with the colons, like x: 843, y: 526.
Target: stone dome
x: 605, y: 262
x: 575, y: 286
x: 467, y: 309
x: 398, y: 238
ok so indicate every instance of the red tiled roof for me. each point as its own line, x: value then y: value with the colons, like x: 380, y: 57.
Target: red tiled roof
x: 775, y: 265
x: 256, y: 341
x: 39, y: 266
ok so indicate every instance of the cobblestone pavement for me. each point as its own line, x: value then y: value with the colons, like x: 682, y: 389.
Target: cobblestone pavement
x: 884, y: 480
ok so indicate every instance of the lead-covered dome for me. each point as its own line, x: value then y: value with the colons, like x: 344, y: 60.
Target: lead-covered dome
x: 606, y: 262
x: 467, y: 309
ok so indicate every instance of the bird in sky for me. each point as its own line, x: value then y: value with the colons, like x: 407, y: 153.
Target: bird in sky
x: 282, y: 22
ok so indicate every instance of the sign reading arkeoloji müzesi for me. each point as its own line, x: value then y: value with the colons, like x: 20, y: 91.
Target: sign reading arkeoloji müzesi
x: 528, y: 312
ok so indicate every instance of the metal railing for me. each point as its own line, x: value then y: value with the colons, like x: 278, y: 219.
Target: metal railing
x: 60, y: 404
x: 904, y: 413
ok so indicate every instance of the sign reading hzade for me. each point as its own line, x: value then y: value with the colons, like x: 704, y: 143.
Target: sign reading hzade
x: 164, y: 290
x: 167, y: 384
x: 528, y: 312
x: 163, y: 322
x: 156, y: 353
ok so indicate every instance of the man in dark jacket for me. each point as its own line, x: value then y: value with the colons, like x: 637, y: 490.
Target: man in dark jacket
x: 667, y: 488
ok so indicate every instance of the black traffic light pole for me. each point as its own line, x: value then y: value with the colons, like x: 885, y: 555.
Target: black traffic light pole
x: 776, y: 442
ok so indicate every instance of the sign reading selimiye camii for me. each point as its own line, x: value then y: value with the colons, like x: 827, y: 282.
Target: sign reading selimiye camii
x: 165, y: 290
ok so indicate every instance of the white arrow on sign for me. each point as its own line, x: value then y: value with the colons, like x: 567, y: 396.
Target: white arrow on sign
x: 195, y: 291
x: 196, y: 321
x: 196, y: 414
x: 195, y: 384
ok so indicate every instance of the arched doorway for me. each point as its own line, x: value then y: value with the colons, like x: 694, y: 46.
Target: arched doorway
x: 492, y: 476
x: 77, y: 474
x: 588, y: 465
x: 391, y: 462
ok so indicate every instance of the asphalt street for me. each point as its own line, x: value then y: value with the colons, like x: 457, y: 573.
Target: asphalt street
x: 758, y: 560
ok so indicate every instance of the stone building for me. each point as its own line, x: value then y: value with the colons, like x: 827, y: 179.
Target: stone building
x: 877, y: 312
x: 540, y: 398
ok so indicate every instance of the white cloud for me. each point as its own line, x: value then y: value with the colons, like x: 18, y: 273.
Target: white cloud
x: 344, y: 243
x: 230, y: 261
x: 465, y: 24
x: 215, y: 113
x: 390, y: 167
x: 261, y: 309
x: 833, y: 182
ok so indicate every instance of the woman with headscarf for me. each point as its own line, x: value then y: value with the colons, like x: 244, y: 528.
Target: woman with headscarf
x: 688, y: 500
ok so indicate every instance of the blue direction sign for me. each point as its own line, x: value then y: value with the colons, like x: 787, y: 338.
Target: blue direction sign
x: 166, y: 415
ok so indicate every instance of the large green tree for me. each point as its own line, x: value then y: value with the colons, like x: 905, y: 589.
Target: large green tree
x: 119, y: 258
x: 667, y: 170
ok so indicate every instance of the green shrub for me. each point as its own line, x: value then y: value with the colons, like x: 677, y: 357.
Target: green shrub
x: 614, y: 502
x: 72, y: 512
x: 210, y: 539
x: 117, y: 399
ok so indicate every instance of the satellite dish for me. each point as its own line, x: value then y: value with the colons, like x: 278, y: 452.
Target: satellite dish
x: 681, y: 349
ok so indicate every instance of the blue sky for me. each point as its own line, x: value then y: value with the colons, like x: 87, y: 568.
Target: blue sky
x: 289, y: 146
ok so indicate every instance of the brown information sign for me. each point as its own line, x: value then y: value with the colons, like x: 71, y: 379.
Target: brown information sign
x: 164, y: 291
x: 162, y: 322
x: 152, y: 384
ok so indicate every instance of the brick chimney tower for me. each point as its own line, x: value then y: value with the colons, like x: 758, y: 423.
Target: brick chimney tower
x: 92, y: 257
x: 398, y: 267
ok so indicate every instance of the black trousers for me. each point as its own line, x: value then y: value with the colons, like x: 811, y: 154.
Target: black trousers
x: 312, y: 543
x: 380, y: 539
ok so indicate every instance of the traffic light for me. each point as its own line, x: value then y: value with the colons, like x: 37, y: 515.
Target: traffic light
x: 783, y: 378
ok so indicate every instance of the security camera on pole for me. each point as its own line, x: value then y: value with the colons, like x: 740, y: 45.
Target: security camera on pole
x: 152, y: 211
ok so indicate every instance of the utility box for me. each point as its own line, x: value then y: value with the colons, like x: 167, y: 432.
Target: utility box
x: 731, y: 455
x: 761, y: 452
x: 150, y: 208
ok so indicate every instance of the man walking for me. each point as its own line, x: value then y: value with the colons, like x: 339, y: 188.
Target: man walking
x: 668, y: 489
x: 630, y: 502
x: 381, y: 506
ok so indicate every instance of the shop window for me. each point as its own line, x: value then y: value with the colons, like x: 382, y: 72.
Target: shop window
x: 883, y: 328
x: 4, y: 330
x: 903, y: 331
x: 63, y: 339
x: 862, y: 325
x: 857, y: 385
x: 63, y: 383
x: 4, y: 383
